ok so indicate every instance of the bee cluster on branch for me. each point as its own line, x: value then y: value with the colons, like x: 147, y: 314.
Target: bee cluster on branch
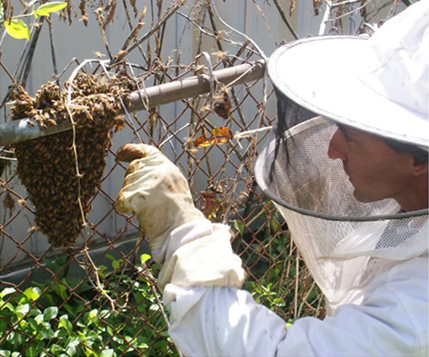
x: 62, y: 172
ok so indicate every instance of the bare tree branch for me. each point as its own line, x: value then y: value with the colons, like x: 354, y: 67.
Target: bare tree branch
x: 51, y: 39
x: 285, y: 20
x: 170, y: 12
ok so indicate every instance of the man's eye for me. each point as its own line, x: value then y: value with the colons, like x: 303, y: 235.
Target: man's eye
x: 348, y: 138
x: 344, y: 132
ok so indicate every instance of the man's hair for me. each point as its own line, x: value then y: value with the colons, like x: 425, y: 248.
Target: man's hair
x: 418, y: 153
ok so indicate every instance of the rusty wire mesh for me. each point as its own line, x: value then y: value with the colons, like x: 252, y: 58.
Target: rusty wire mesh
x: 104, y: 284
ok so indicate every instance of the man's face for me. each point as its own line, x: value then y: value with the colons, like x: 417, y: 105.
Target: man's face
x: 375, y: 170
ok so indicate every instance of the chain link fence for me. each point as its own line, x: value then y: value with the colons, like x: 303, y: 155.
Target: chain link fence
x: 98, y: 295
x: 104, y: 284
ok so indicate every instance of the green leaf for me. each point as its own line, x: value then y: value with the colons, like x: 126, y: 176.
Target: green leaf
x: 33, y: 351
x: 56, y: 349
x: 23, y: 324
x: 61, y: 334
x: 34, y: 325
x: 101, y: 270
x: 49, y: 298
x: 34, y: 312
x: 144, y: 258
x: 70, y: 347
x: 8, y: 306
x: 39, y: 319
x: 109, y: 330
x: 71, y: 351
x: 7, y: 291
x: 45, y: 325
x: 50, y: 313
x: 3, y: 327
x: 107, y: 353
x: 33, y: 293
x: 70, y: 309
x: 50, y: 7
x: 4, y: 353
x: 47, y: 334
x: 1, y: 15
x: 93, y: 314
x: 110, y: 256
x: 17, y: 29
x: 64, y: 322
x: 22, y: 310
x: 60, y: 290
x: 239, y: 226
x: 116, y: 263
x: 105, y: 314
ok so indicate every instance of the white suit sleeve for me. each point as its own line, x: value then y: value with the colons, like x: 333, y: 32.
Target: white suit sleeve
x: 216, y: 321
x: 225, y: 321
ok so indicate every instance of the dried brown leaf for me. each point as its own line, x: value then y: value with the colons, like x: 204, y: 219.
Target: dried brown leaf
x: 292, y: 6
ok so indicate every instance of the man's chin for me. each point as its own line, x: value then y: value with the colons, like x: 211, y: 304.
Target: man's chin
x: 361, y: 197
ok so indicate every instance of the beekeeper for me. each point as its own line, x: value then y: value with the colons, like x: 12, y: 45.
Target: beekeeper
x: 352, y: 185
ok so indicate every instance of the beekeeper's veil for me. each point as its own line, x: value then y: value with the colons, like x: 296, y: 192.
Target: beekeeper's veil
x: 379, y: 85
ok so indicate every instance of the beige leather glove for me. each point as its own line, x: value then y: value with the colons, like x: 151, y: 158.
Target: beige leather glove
x: 193, y: 250
x: 157, y: 193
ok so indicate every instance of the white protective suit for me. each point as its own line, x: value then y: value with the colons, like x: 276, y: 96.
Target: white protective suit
x: 201, y: 277
x: 392, y: 319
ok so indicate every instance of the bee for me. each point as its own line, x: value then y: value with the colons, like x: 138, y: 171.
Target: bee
x: 222, y: 105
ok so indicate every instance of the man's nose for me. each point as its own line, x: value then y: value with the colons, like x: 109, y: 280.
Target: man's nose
x: 337, y: 146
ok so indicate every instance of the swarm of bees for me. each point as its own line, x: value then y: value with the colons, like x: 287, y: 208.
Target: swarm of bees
x: 59, y: 169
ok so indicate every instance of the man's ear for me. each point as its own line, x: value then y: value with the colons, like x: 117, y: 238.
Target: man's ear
x: 419, y: 167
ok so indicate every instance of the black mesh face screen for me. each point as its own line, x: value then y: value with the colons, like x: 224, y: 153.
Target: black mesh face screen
x: 296, y: 172
x: 289, y: 114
